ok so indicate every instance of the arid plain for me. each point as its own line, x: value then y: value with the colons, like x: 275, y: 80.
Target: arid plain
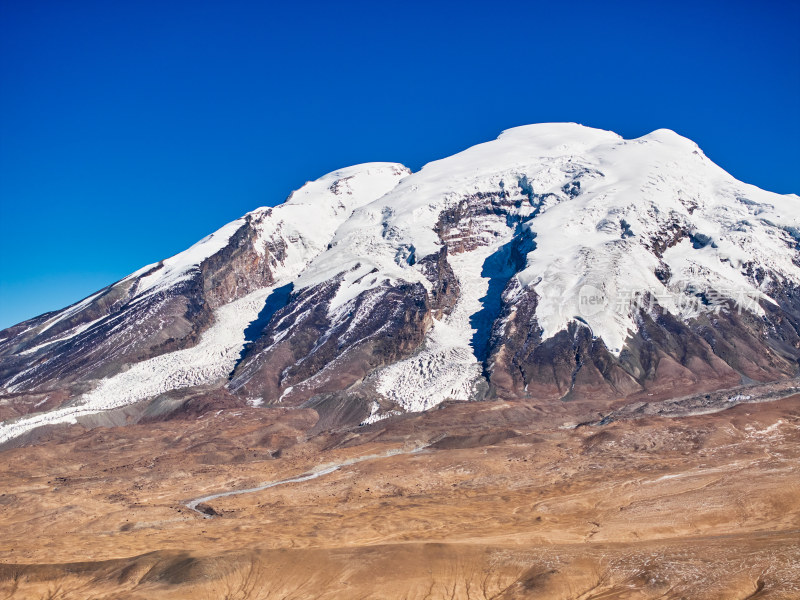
x: 702, y: 506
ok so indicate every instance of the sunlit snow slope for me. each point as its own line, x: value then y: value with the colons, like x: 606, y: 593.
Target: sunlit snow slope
x: 556, y: 262
x: 284, y: 239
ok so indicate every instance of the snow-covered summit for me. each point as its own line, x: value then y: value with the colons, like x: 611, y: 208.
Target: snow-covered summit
x: 554, y: 261
x: 600, y: 204
x: 351, y: 187
x: 310, y: 215
x: 626, y: 223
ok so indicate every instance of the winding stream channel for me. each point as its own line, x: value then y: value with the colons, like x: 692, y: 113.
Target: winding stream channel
x: 314, y: 474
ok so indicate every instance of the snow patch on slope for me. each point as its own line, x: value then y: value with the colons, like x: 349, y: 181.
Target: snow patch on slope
x: 71, y: 333
x: 300, y: 228
x: 446, y: 368
x: 68, y: 312
x: 211, y: 359
x: 602, y: 239
x: 181, y: 266
x: 375, y: 415
x: 305, y: 224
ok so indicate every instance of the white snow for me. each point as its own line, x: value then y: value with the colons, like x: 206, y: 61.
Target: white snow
x: 594, y: 250
x: 375, y: 415
x: 68, y: 312
x: 304, y: 225
x: 71, y: 333
x: 651, y: 183
x: 446, y: 368
x: 307, y: 221
x: 406, y: 217
x: 179, y: 267
x: 210, y: 360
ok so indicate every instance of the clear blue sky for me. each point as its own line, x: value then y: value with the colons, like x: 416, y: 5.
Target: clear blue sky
x: 130, y: 129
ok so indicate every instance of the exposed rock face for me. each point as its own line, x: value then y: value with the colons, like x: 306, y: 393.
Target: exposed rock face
x: 304, y: 351
x: 444, y: 289
x: 119, y: 325
x: 666, y: 357
x: 555, y: 263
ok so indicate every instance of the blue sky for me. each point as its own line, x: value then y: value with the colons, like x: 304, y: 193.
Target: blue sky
x: 128, y: 130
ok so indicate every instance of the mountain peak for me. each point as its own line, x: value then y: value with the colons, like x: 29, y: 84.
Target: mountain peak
x: 352, y: 185
x: 669, y: 137
x: 557, y: 261
x: 557, y: 134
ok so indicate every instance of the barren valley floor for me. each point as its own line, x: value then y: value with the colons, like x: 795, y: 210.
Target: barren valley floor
x: 504, y: 502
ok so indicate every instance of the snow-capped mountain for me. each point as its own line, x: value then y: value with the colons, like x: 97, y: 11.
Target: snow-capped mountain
x: 557, y: 262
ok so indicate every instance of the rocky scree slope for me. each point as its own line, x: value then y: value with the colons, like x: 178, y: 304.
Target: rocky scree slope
x: 557, y: 262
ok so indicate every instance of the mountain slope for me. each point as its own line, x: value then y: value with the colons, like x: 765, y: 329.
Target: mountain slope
x: 557, y: 262
x: 178, y: 323
x: 533, y: 222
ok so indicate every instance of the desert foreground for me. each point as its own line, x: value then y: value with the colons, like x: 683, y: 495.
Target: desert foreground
x: 474, y: 500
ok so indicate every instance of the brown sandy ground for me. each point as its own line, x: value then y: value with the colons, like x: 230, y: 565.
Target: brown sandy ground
x: 505, y: 503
